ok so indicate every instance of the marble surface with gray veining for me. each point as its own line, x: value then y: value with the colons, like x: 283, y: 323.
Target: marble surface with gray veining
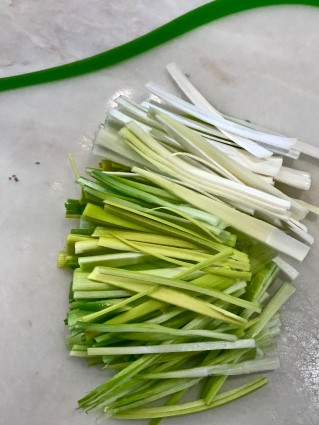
x: 261, y: 65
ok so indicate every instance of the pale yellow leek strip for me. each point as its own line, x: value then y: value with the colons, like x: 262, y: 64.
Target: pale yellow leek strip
x: 179, y: 230
x: 114, y: 243
x: 137, y: 312
x: 235, y: 274
x: 213, y: 281
x: 238, y: 255
x: 204, y: 263
x: 173, y: 255
x: 254, y: 227
x: 74, y: 167
x: 153, y: 238
x: 164, y: 225
x: 313, y: 208
x: 98, y: 214
x: 177, y: 298
x: 87, y: 246
x: 160, y: 251
x: 134, y: 277
x: 192, y: 220
x: 234, y: 264
x: 71, y: 240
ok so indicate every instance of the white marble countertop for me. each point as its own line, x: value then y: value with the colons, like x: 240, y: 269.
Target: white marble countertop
x: 262, y: 65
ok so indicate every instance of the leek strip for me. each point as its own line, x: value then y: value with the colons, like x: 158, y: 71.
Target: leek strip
x: 204, y: 263
x: 217, y: 185
x: 134, y: 110
x: 205, y: 150
x: 95, y: 305
x: 121, y: 259
x: 108, y: 139
x: 71, y: 241
x: 147, y: 249
x: 185, y: 135
x: 146, y: 188
x: 156, y: 392
x: 307, y: 149
x: 303, y: 235
x: 100, y: 216
x: 164, y: 317
x: 94, y: 196
x: 104, y: 152
x: 205, y: 222
x: 119, y: 276
x: 154, y: 328
x: 212, y: 387
x: 112, y: 384
x: 80, y: 295
x: 121, y: 118
x: 193, y: 406
x: 88, y: 247
x: 172, y: 401
x: 227, y: 189
x: 118, y: 242
x: 286, y: 268
x: 83, y: 182
x: 172, y: 348
x: 220, y: 122
x: 120, y: 185
x: 242, y: 368
x: 200, y: 127
x: 165, y: 226
x: 174, y: 297
x: 314, y: 209
x: 90, y: 286
x: 198, y: 100
x: 267, y: 167
x: 137, y: 312
x: 280, y: 297
x: 181, y: 299
x: 258, y: 229
x: 295, y: 178
x: 126, y: 391
x: 153, y: 238
x: 261, y: 281
x: 102, y: 313
x: 195, y: 125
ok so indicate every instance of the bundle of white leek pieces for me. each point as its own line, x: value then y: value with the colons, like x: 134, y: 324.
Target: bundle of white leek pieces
x: 181, y: 236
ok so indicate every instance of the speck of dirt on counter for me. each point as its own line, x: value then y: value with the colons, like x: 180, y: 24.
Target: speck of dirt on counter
x: 14, y: 177
x: 37, y: 163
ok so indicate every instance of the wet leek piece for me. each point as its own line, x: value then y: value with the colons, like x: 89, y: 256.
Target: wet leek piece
x: 168, y: 304
x: 177, y: 27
